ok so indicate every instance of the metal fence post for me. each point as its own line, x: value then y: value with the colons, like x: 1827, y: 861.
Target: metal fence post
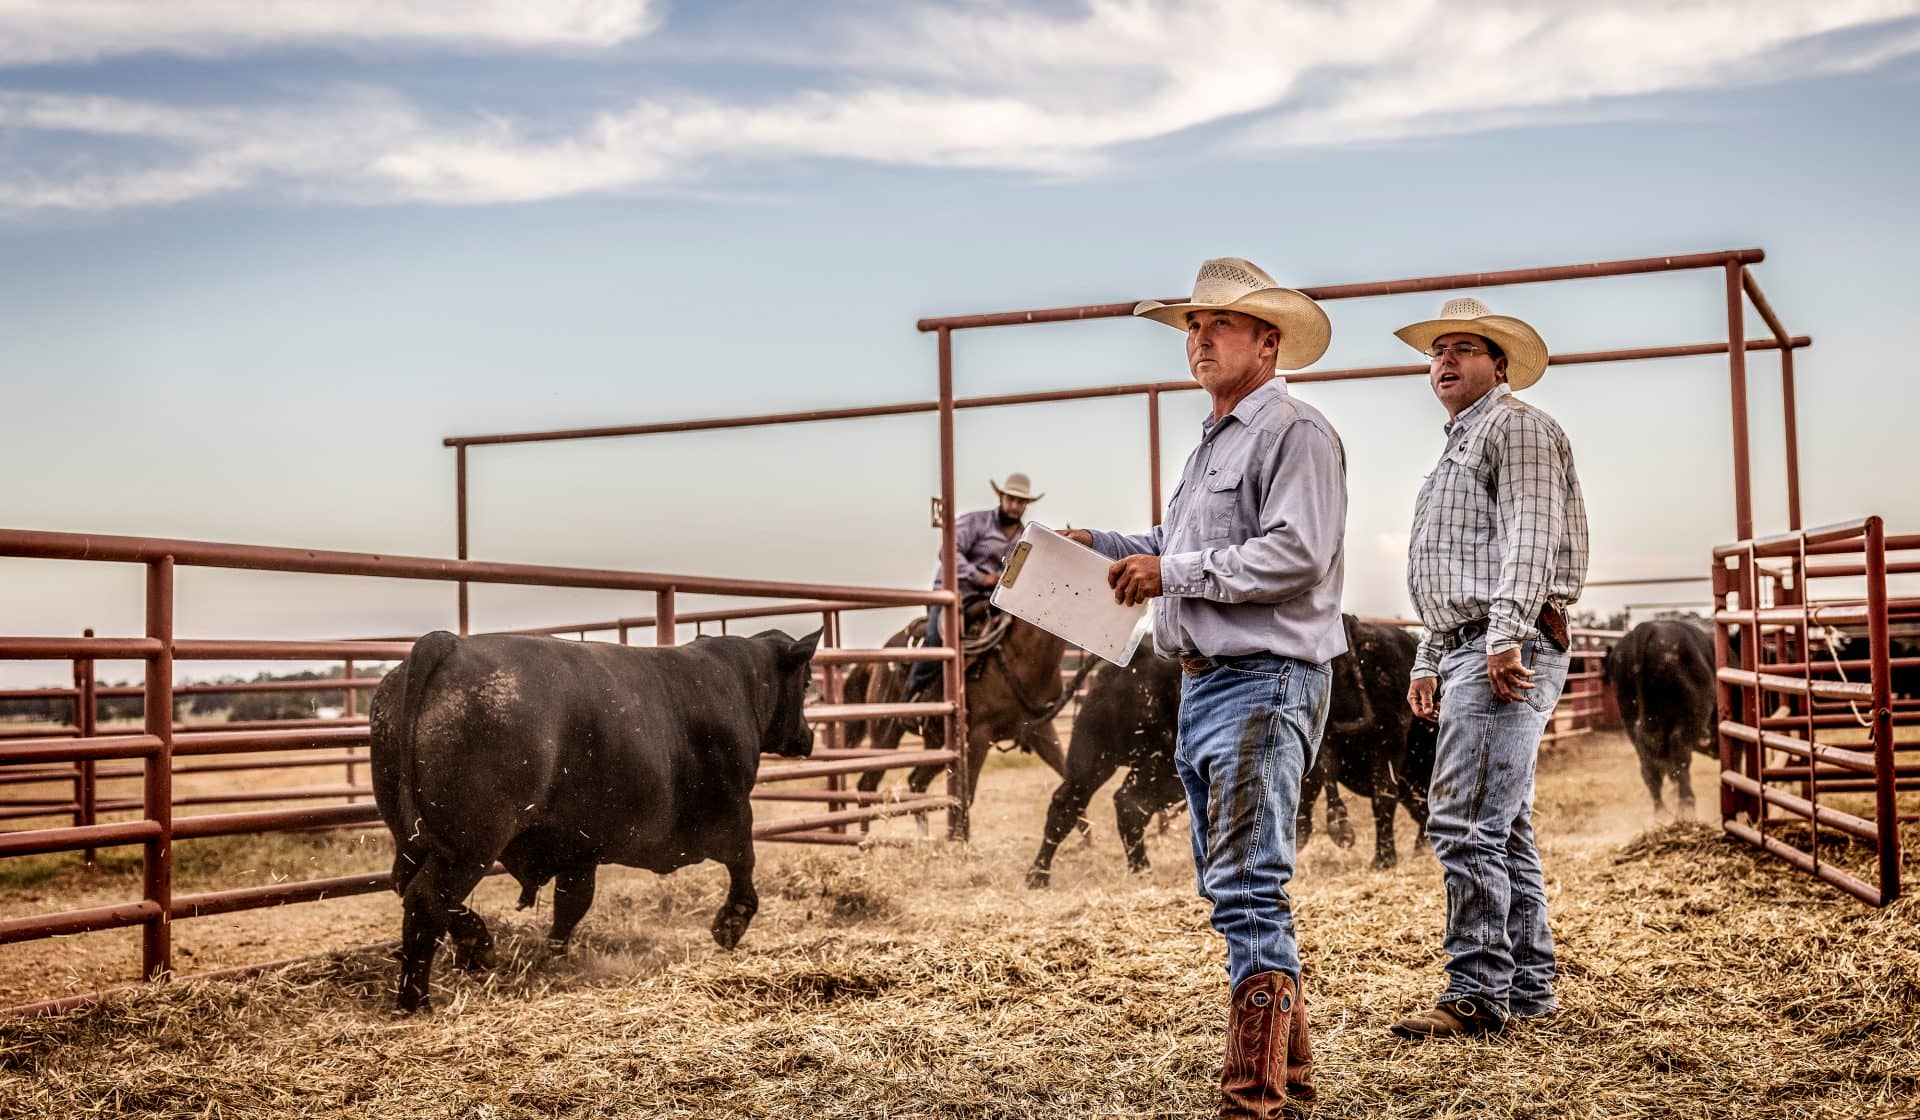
x: 86, y: 723
x: 1886, y: 803
x: 156, y: 943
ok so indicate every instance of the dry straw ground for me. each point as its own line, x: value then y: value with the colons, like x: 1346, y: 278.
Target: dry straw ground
x: 1700, y: 981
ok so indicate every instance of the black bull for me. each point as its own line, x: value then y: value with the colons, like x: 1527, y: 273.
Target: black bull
x: 554, y: 757
x: 1373, y: 745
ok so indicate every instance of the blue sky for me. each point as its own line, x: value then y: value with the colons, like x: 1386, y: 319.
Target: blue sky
x: 260, y: 259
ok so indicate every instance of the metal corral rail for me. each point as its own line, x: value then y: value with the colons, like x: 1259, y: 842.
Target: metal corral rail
x: 159, y: 742
x: 1788, y: 688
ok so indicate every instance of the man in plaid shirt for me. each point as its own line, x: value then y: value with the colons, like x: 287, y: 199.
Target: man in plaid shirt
x: 1498, y: 552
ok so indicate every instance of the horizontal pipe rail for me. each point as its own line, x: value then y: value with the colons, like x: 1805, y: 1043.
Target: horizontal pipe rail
x: 1797, y: 686
x: 1380, y: 288
x: 1852, y: 884
x: 68, y: 649
x: 78, y: 750
x: 272, y: 820
x: 44, y: 841
x: 249, y: 898
x: 906, y: 805
x: 876, y: 760
x: 1061, y: 396
x: 1837, y: 756
x: 118, y: 915
x: 43, y: 545
x: 1857, y: 827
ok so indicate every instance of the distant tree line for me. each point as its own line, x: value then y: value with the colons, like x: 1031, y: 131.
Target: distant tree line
x: 234, y: 706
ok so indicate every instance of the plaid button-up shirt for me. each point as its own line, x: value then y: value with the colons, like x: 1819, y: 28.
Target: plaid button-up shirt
x: 1499, y: 528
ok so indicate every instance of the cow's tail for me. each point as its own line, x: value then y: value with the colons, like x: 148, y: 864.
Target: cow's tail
x: 414, y: 841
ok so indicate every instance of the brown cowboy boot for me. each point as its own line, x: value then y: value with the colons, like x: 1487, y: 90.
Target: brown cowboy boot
x: 1253, y: 1079
x: 1300, y: 1088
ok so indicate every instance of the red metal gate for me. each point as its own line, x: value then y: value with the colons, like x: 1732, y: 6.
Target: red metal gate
x: 1800, y: 711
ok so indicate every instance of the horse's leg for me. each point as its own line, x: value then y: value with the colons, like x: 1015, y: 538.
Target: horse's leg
x: 1045, y: 742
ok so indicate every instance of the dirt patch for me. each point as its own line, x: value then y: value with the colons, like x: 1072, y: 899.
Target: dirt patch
x: 1700, y: 978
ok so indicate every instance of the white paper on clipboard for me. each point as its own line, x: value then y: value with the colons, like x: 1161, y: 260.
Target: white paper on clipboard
x: 1061, y: 587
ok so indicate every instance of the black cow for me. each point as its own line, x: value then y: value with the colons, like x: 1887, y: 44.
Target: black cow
x: 1374, y: 745
x: 1662, y: 677
x: 554, y: 757
x: 1130, y: 716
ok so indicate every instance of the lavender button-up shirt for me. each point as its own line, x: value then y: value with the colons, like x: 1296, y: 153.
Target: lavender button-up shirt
x: 1252, y: 551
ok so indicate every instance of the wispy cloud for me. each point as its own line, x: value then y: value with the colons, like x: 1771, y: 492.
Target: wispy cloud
x: 976, y: 85
x: 42, y: 31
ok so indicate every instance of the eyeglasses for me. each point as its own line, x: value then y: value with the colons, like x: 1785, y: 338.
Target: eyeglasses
x: 1460, y: 350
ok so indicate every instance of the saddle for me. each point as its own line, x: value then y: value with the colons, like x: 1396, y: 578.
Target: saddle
x: 984, y: 627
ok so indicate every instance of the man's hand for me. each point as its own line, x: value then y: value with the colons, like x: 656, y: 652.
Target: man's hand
x: 988, y: 582
x: 1135, y: 579
x: 1078, y: 536
x: 1420, y: 697
x: 1510, y: 680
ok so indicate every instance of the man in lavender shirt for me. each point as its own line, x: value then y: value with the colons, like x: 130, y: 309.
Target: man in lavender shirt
x: 1247, y: 569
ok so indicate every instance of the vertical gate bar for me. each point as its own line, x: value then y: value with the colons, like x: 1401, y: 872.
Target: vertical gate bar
x: 1153, y: 451
x: 1752, y: 697
x: 830, y: 687
x: 1792, y: 424
x: 1722, y: 691
x: 959, y: 782
x: 156, y: 942
x: 1811, y: 789
x: 350, y: 709
x: 86, y: 723
x: 460, y: 512
x: 623, y: 634
x: 1886, y: 810
x: 1737, y: 371
x: 665, y: 621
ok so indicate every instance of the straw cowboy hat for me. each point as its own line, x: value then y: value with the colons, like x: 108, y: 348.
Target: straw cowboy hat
x: 1526, y: 351
x: 1232, y: 284
x: 1018, y: 486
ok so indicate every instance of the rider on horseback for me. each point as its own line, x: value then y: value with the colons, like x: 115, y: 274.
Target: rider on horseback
x: 983, y: 539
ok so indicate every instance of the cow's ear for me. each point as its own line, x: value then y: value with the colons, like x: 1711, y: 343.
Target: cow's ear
x: 802, y: 648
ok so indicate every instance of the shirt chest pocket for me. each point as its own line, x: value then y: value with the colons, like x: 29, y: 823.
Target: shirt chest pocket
x: 1464, y: 482
x: 1218, y: 514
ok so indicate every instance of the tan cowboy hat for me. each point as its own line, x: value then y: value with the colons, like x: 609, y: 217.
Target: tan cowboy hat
x: 1018, y: 486
x: 1232, y: 284
x: 1526, y: 351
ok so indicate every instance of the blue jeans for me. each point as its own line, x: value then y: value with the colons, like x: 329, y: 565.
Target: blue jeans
x: 924, y: 673
x: 1249, y: 730
x: 1480, y: 818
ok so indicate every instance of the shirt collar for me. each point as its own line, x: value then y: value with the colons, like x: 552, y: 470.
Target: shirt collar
x: 1477, y: 409
x: 1250, y: 406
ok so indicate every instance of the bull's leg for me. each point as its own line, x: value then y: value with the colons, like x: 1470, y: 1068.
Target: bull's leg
x: 432, y: 898
x: 572, y: 895
x: 1384, y: 805
x: 1416, y: 803
x: 730, y: 922
x: 1310, y: 785
x: 1065, y: 811
x: 1651, y: 772
x: 1680, y: 772
x: 472, y: 944
x: 1339, y: 825
x: 1133, y: 807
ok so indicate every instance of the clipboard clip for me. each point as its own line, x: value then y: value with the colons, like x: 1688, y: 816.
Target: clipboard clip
x: 1015, y: 563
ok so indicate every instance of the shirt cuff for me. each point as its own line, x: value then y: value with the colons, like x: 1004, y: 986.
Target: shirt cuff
x: 1184, y: 574
x: 1505, y: 629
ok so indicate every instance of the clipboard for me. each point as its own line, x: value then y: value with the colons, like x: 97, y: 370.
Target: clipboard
x: 1061, y: 587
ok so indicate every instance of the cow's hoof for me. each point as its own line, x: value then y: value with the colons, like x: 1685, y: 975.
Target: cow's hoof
x: 559, y: 946
x: 1135, y: 867
x: 729, y: 928
x: 410, y: 1004
x: 1342, y: 834
x: 472, y: 958
x: 1384, y: 861
x: 1039, y: 878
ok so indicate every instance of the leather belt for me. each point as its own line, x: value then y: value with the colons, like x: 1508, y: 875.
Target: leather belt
x: 1552, y: 623
x: 1196, y: 663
